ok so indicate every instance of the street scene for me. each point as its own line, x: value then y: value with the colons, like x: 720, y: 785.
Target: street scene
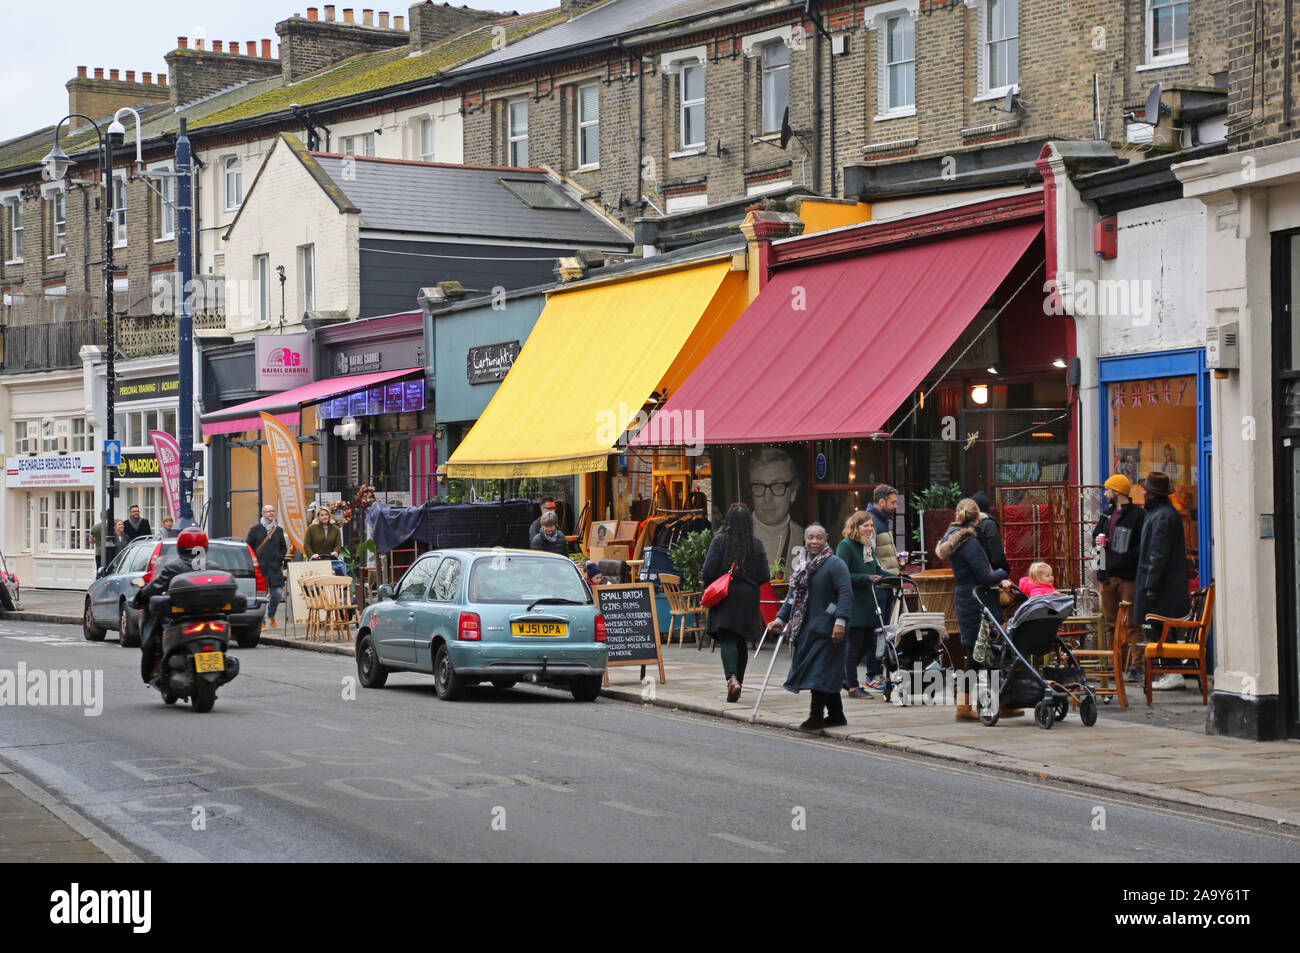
x: 654, y: 431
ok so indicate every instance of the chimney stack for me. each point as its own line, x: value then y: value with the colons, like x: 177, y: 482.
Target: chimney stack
x: 312, y: 13
x: 347, y: 15
x: 399, y: 22
x: 432, y: 23
x: 329, y: 13
x: 114, y: 75
x: 383, y: 19
x: 101, y: 96
x: 309, y: 45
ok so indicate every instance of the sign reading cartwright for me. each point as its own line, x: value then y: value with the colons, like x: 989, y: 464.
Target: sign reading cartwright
x: 283, y: 361
x: 491, y: 362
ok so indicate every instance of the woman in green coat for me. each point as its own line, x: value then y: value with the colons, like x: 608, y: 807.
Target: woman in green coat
x: 857, y: 550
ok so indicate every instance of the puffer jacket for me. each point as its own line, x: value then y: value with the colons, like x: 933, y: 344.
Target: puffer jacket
x: 970, y: 569
x: 886, y: 548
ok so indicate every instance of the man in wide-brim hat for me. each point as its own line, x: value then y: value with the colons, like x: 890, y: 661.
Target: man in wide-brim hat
x: 1161, y: 583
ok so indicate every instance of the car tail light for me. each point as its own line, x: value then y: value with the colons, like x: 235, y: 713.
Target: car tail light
x: 468, y: 630
x: 257, y: 572
x: 600, y: 628
x: 154, y: 563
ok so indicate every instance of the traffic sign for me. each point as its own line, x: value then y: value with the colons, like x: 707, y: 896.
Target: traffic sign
x: 112, y: 453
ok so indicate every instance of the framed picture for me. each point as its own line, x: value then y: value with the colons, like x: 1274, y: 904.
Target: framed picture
x: 604, y: 532
x: 1171, y: 457
x: 1128, y: 461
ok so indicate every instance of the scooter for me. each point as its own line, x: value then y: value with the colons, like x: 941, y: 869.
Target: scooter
x: 196, y: 636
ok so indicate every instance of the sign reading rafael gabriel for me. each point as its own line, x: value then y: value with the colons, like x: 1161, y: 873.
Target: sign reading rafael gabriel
x: 283, y: 361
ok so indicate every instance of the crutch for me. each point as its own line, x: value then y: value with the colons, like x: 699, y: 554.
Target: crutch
x: 770, y: 665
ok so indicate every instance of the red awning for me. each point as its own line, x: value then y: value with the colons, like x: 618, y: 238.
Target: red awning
x: 835, y: 348
x: 286, y: 404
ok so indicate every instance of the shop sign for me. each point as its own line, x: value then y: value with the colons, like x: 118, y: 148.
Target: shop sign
x: 144, y: 466
x: 147, y: 388
x: 401, y: 397
x: 492, y: 362
x: 283, y: 361
x: 64, y: 469
x: 358, y: 362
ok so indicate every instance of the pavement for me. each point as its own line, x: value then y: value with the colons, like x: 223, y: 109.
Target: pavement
x: 1161, y: 753
x: 36, y: 827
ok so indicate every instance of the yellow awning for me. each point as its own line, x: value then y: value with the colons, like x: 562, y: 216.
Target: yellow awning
x: 589, y: 365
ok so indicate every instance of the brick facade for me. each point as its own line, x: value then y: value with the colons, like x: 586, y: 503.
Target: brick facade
x: 96, y: 96
x: 431, y: 22
x: 1258, y: 99
x: 198, y: 72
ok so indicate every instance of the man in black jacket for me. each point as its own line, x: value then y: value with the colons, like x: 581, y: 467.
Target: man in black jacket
x: 1118, y: 535
x: 1161, y: 581
x: 188, y: 545
x: 990, y: 536
x: 266, y: 540
x: 136, y: 525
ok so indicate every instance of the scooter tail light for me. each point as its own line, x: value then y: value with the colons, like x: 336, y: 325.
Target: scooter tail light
x: 600, y: 628
x: 469, y: 629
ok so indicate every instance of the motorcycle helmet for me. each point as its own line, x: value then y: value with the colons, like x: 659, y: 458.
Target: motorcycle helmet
x: 191, y: 543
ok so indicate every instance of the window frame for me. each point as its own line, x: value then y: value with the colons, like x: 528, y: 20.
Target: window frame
x: 986, y: 90
x: 262, y: 271
x: 232, y: 166
x: 884, y: 84
x: 17, y: 226
x: 165, y: 202
x: 307, y: 277
x: 120, y: 233
x: 59, y: 292
x: 1179, y: 55
x: 585, y: 161
x: 426, y: 139
x: 684, y: 104
x: 54, y: 200
x: 767, y: 73
x: 513, y: 137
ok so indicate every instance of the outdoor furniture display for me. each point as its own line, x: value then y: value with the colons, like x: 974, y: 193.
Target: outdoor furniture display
x: 1107, y: 663
x: 338, y: 612
x: 684, y: 608
x: 1162, y: 650
x: 311, y: 599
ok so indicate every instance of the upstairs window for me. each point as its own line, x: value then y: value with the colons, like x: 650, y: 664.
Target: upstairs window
x: 691, y: 83
x: 517, y: 131
x: 899, y: 89
x: 776, y: 85
x: 234, y: 182
x: 15, y: 208
x: 57, y: 211
x: 1166, y: 29
x: 426, y: 140
x: 359, y: 145
x: 1000, y: 26
x: 165, y: 203
x: 589, y: 124
x: 119, y: 209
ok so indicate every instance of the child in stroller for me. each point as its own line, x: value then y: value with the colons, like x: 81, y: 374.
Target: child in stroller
x: 913, y: 643
x: 1014, y: 681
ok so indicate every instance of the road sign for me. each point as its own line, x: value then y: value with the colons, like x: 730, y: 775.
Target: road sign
x: 112, y: 453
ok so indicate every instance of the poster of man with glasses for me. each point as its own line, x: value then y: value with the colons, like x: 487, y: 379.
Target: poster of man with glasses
x: 774, y: 487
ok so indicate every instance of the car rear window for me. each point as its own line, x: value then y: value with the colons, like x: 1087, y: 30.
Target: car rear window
x: 228, y: 557
x: 517, y: 578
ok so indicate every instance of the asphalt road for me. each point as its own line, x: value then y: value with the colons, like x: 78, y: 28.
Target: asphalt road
x: 298, y: 763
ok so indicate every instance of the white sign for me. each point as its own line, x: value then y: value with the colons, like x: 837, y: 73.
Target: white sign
x: 283, y: 361
x: 65, y: 469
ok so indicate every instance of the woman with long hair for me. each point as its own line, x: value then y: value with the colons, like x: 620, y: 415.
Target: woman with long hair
x: 857, y: 550
x: 735, y: 621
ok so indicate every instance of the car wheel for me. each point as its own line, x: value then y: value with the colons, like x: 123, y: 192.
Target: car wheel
x: 586, y: 689
x: 92, y: 632
x: 247, y: 636
x: 504, y: 682
x: 369, y: 671
x: 449, y: 686
x: 128, y: 639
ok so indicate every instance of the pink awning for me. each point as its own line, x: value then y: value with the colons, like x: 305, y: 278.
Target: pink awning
x: 833, y: 349
x: 286, y: 405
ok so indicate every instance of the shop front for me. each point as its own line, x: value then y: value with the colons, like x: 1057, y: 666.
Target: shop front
x: 229, y: 378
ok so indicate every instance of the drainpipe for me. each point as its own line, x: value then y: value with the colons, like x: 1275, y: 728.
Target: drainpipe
x: 640, y: 133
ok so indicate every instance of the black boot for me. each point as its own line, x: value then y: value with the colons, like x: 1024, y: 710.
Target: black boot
x: 815, y: 720
x: 834, y: 711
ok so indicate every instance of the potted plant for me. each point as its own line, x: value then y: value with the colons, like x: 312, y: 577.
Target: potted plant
x: 935, y: 506
x: 688, y: 558
x: 778, y: 583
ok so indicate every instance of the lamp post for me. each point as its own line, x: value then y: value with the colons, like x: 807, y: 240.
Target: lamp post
x: 55, y: 167
x: 185, y: 321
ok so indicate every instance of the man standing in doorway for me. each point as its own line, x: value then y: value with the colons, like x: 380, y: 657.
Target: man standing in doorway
x: 1161, y: 581
x: 774, y: 485
x: 1118, y: 535
x: 136, y: 525
x: 266, y: 540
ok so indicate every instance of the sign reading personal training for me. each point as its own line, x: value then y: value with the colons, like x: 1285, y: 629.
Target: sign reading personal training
x: 631, y: 625
x: 147, y: 388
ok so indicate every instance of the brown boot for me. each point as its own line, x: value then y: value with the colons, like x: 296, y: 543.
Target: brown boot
x: 733, y: 689
x: 964, y: 710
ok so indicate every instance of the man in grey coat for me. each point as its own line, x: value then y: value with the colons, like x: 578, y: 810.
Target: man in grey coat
x: 1161, y: 584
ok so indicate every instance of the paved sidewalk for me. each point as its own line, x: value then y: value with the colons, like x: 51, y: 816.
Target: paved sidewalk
x: 1160, y: 752
x: 35, y: 827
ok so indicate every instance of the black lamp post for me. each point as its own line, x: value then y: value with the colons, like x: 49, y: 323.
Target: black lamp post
x: 56, y: 165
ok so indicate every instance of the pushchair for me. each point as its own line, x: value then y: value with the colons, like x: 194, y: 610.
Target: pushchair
x: 1032, y: 632
x: 913, y: 642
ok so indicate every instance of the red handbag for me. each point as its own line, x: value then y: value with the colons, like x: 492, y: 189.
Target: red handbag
x: 718, y: 589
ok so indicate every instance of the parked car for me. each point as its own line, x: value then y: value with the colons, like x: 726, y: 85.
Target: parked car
x: 9, y: 595
x: 108, y: 600
x: 479, y: 615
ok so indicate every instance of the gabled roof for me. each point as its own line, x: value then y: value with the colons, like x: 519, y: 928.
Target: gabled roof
x: 397, y: 195
x: 308, y: 160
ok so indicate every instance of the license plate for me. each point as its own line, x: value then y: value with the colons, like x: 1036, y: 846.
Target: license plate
x: 554, y: 630
x: 209, y: 662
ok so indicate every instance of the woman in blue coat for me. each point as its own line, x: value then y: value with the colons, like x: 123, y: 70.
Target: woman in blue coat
x: 816, y: 614
x: 972, y: 576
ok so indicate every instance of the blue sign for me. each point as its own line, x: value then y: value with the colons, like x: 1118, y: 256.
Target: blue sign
x: 112, y: 453
x: 820, y: 464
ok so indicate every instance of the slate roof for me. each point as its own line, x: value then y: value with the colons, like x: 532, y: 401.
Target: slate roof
x: 469, y: 201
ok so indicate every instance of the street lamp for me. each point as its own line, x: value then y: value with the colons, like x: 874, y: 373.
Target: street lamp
x: 54, y: 167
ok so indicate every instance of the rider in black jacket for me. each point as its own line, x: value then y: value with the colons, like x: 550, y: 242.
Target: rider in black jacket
x: 191, y: 546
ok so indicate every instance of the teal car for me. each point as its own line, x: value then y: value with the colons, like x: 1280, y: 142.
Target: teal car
x: 486, y: 615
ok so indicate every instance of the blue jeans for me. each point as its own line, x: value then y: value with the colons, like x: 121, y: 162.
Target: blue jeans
x: 276, y: 597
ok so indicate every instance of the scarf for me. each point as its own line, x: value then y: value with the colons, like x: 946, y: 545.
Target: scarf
x: 135, y: 523
x: 799, y: 591
x: 267, y: 524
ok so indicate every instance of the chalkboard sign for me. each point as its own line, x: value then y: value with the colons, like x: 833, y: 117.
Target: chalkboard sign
x: 631, y: 625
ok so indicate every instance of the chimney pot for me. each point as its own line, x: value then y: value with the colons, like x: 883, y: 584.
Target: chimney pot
x: 329, y: 13
x: 383, y: 19
x: 198, y: 42
x: 81, y: 72
x: 252, y: 47
x: 218, y: 46
x: 313, y: 13
x: 182, y: 43
x: 347, y: 15
x: 130, y: 76
x: 162, y: 79
x: 233, y: 47
x: 399, y: 22
x: 114, y: 74
x: 146, y: 77
x: 368, y: 17
x: 99, y: 72
x: 266, y: 49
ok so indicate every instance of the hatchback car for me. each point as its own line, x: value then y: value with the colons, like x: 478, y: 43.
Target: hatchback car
x: 108, y: 600
x: 483, y: 615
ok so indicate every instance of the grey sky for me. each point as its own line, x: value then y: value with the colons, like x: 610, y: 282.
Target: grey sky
x: 48, y: 40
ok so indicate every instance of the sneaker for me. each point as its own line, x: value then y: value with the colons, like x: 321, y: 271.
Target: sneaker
x: 1170, y: 682
x: 875, y: 684
x: 271, y: 622
x: 857, y: 692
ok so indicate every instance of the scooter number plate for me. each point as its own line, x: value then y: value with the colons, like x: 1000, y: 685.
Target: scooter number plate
x: 209, y: 662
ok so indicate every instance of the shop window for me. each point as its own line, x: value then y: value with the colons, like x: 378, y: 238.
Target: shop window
x: 43, y: 522
x: 1018, y: 447
x: 1153, y: 427
x: 244, y: 503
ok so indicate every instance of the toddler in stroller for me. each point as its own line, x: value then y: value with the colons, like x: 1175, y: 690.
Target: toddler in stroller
x: 913, y: 643
x: 1014, y: 682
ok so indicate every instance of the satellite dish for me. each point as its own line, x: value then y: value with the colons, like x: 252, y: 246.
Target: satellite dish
x: 1153, y: 107
x: 1009, y: 104
x: 786, y: 131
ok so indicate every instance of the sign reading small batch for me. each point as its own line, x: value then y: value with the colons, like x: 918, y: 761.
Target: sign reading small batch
x: 631, y: 626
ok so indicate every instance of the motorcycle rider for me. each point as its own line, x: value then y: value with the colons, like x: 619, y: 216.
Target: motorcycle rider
x: 191, y: 547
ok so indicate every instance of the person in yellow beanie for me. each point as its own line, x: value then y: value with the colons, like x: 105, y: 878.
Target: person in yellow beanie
x: 1117, y: 535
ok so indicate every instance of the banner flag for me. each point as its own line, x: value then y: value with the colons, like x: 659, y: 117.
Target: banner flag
x: 288, y: 477
x: 168, y: 452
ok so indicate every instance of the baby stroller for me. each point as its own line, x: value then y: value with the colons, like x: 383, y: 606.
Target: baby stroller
x: 913, y: 642
x: 1032, y: 632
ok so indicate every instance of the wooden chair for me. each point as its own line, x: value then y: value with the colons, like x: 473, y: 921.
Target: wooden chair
x: 1109, y: 663
x: 311, y: 600
x: 339, y: 611
x: 1164, y: 650
x: 693, y: 620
